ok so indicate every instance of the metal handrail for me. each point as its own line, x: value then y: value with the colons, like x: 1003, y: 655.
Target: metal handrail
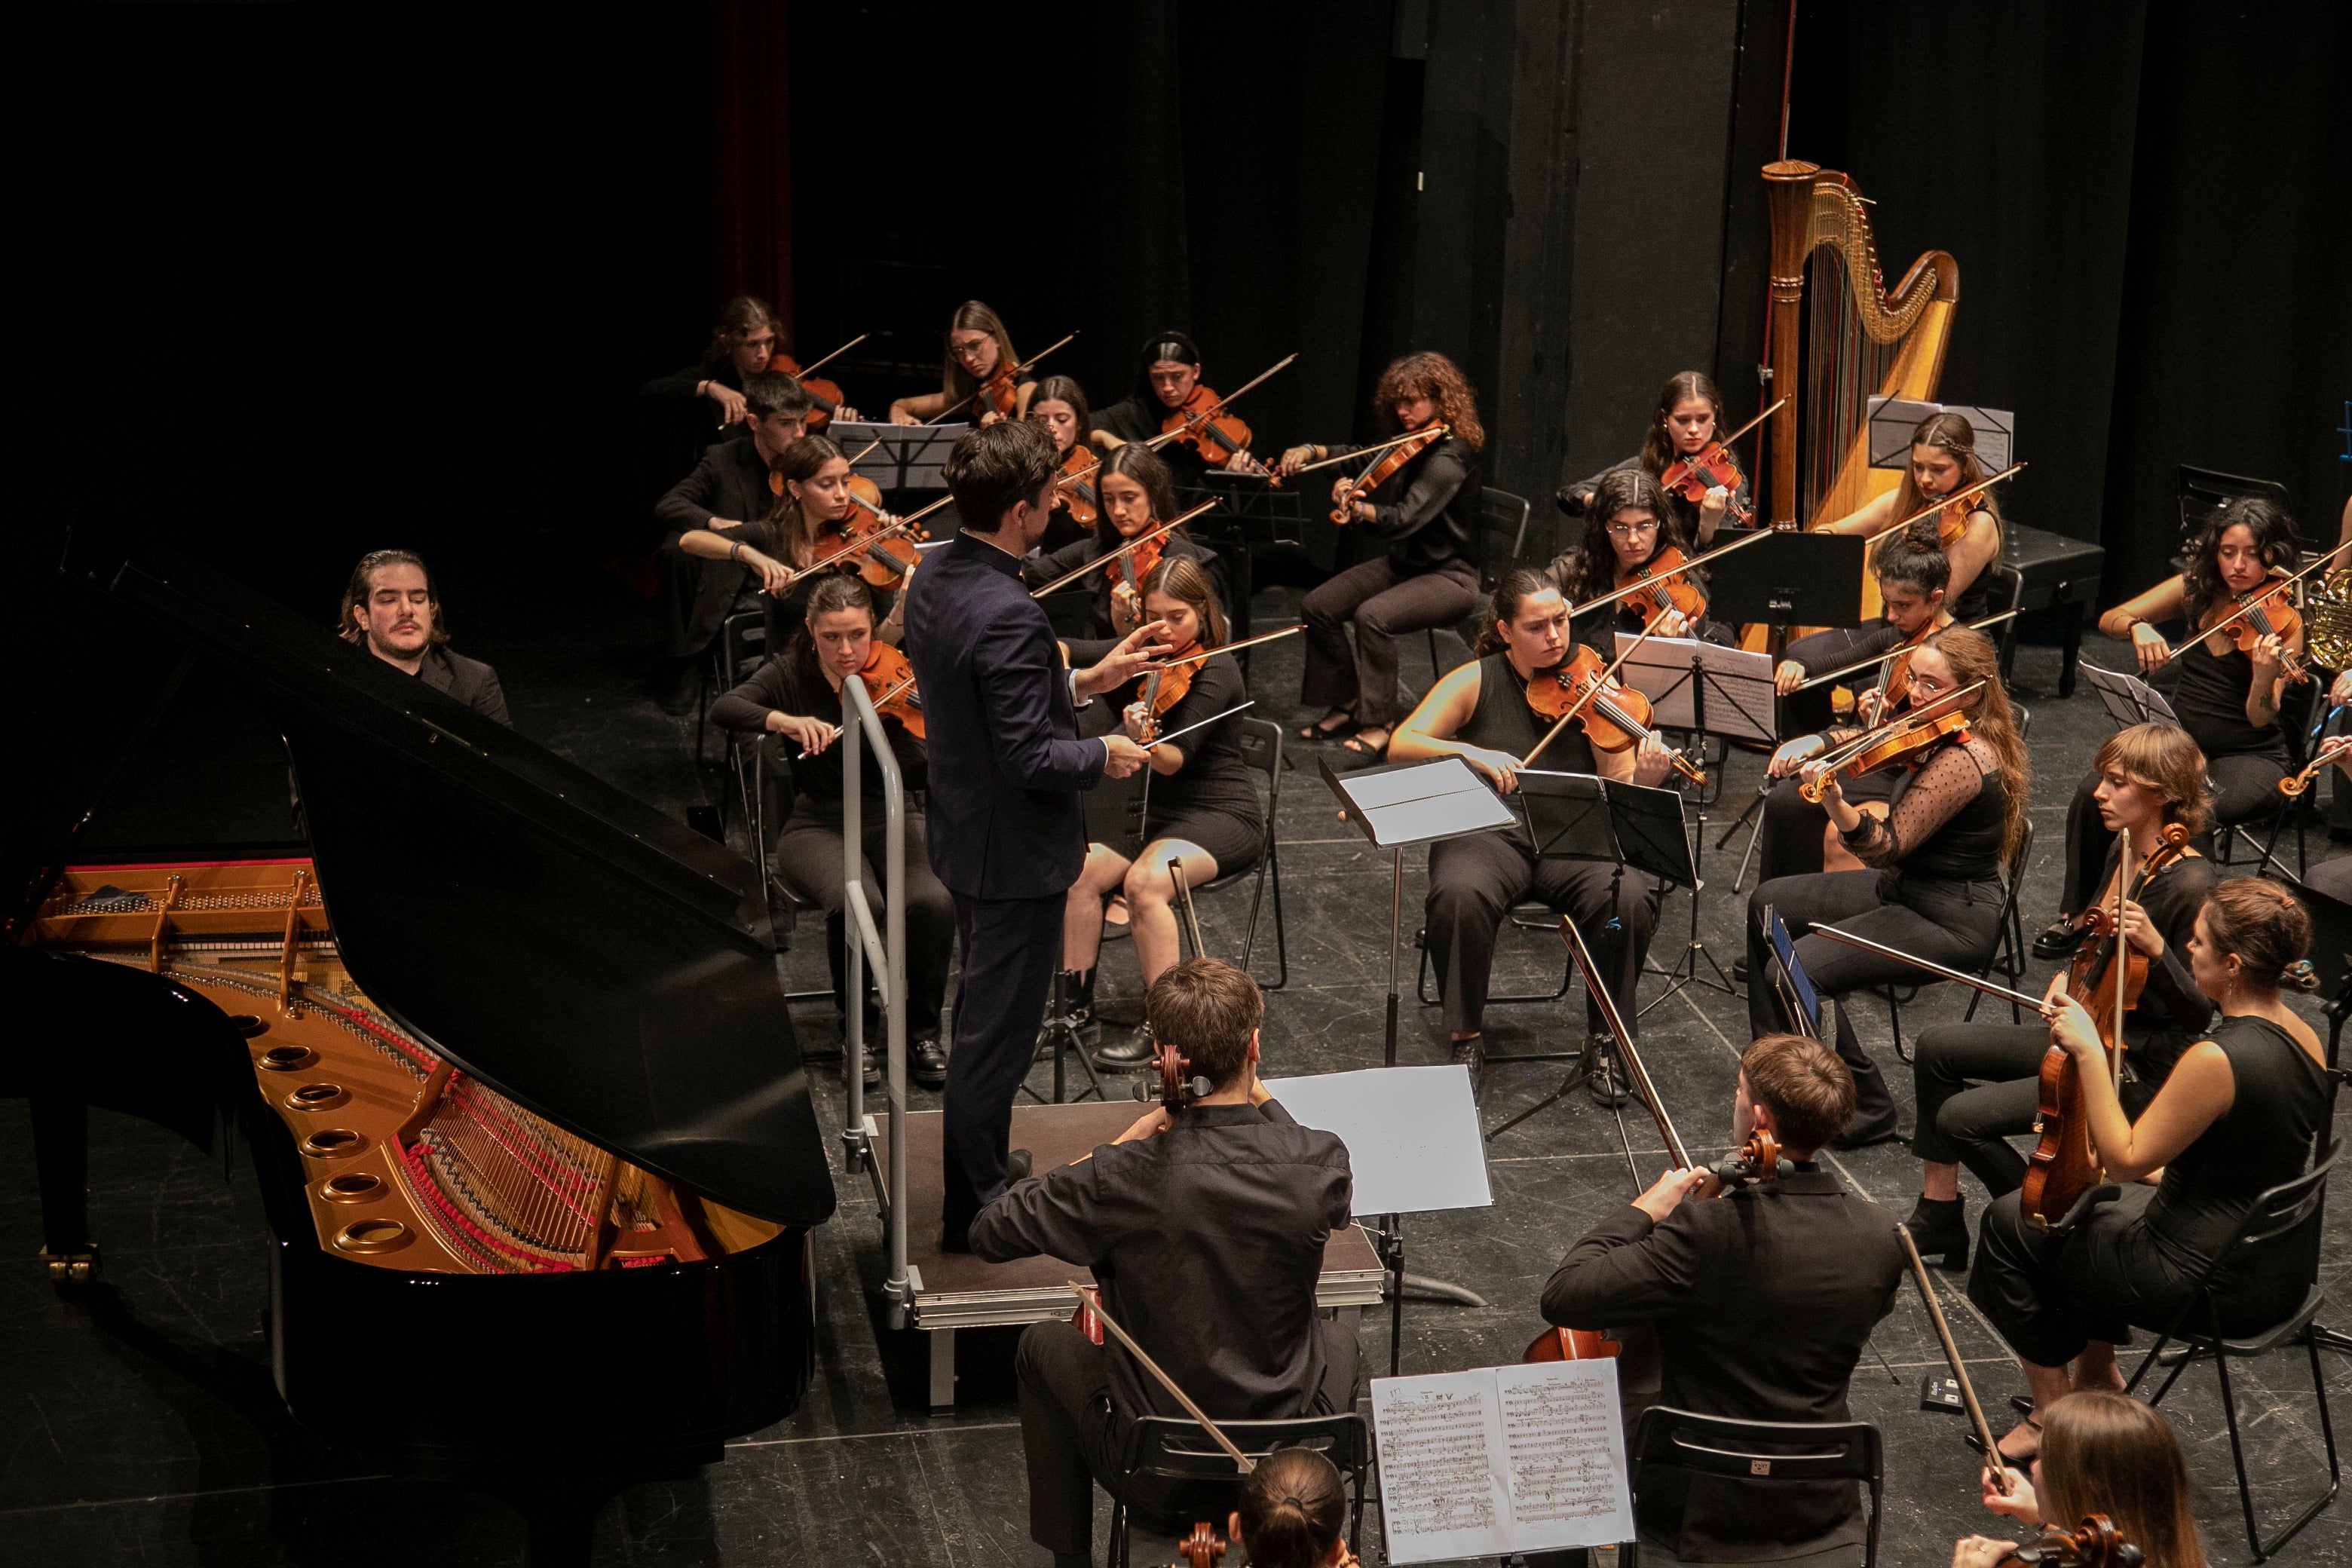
x: 887, y: 950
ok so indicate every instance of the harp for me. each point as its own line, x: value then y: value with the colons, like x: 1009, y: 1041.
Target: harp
x: 1840, y: 337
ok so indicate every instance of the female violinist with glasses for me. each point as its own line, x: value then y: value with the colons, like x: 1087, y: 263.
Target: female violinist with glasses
x: 2244, y: 1110
x: 1688, y: 416
x: 1202, y: 809
x: 1059, y: 404
x: 1943, y: 460
x: 975, y: 375
x: 1425, y: 578
x: 796, y: 698
x: 1931, y: 881
x: 2228, y: 689
x: 1628, y: 526
x: 2151, y: 778
x: 1138, y: 495
x: 1481, y: 712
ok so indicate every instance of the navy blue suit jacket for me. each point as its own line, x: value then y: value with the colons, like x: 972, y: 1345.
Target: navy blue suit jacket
x: 1007, y: 767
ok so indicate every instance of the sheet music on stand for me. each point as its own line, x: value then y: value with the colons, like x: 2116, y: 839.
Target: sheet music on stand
x: 1582, y: 816
x: 2129, y: 700
x: 1417, y: 802
x: 907, y: 457
x: 1412, y: 1133
x: 1688, y: 681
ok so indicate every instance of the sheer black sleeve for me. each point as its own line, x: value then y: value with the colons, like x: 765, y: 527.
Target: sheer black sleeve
x: 1934, y: 797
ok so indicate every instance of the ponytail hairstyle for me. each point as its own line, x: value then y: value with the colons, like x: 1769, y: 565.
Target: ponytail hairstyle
x: 1292, y: 1506
x: 835, y: 591
x: 1973, y: 658
x: 1138, y: 462
x: 1512, y: 590
x: 1658, y: 447
x: 1954, y: 434
x: 972, y: 316
x: 797, y: 464
x: 1619, y: 490
x: 1182, y: 577
x: 2260, y: 921
x: 2274, y: 532
x: 2107, y: 1452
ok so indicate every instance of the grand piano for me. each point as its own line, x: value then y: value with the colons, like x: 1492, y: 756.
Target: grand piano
x: 533, y: 1138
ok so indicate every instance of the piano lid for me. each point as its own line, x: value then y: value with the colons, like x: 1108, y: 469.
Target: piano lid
x: 551, y: 936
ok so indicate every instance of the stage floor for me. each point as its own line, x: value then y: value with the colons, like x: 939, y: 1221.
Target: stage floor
x: 142, y: 1426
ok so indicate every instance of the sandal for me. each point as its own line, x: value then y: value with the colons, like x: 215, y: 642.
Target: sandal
x: 1361, y: 755
x: 1319, y: 730
x: 2014, y: 1461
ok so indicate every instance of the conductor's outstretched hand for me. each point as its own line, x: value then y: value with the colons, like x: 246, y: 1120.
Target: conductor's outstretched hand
x: 1134, y: 653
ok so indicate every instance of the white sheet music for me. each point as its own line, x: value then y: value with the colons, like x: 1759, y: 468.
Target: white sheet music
x: 1501, y: 1459
x: 1412, y: 1134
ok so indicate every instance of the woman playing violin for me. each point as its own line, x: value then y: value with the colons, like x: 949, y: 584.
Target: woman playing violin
x: 1202, y: 809
x: 1931, y: 882
x: 1060, y: 405
x: 1480, y: 712
x: 2151, y: 777
x: 2227, y: 686
x: 796, y: 698
x: 1628, y: 526
x: 1685, y: 424
x: 1426, y: 578
x: 1943, y: 459
x: 2244, y: 1110
x: 975, y: 375
x: 2100, y: 1453
x: 742, y: 341
x: 1170, y: 382
x: 1138, y: 495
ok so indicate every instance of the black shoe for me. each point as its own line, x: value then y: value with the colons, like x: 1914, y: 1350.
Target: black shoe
x: 681, y: 689
x: 1471, y: 1054
x: 1740, y: 970
x: 1606, y: 1080
x: 1133, y: 1050
x: 2059, y: 940
x: 927, y: 1063
x: 1942, y: 1225
x: 1017, y: 1167
x: 870, y: 1070
x: 1886, y: 1132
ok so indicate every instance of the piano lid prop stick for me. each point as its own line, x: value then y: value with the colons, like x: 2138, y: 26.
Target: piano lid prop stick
x: 1093, y: 1299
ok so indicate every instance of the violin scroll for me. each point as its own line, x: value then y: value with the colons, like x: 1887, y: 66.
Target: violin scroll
x: 2095, y: 1543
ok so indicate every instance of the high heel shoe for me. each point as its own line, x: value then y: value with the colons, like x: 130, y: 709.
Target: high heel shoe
x: 1942, y: 1225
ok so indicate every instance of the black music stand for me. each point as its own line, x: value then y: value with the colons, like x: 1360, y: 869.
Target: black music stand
x: 2128, y: 699
x: 1396, y: 806
x: 1801, y: 1005
x: 1791, y: 580
x: 1577, y: 816
x: 905, y: 457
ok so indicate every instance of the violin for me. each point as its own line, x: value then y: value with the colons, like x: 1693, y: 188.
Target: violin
x: 2094, y: 1543
x: 2334, y: 747
x: 825, y: 395
x: 1131, y: 571
x: 1071, y: 486
x: 888, y: 551
x: 1665, y: 585
x: 1714, y: 467
x: 1343, y: 508
x: 1614, y: 717
x: 1906, y: 741
x: 1164, y: 687
x: 2265, y: 612
x: 886, y: 673
x: 1201, y: 423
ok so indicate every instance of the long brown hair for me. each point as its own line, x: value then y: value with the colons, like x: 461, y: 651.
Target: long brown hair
x: 798, y: 464
x: 1136, y: 461
x: 1953, y: 434
x: 2274, y: 532
x: 1182, y: 577
x: 1657, y: 447
x: 2106, y: 1453
x: 1513, y: 589
x: 1619, y: 490
x: 972, y: 316
x: 1069, y: 390
x: 1437, y: 378
x: 1973, y: 658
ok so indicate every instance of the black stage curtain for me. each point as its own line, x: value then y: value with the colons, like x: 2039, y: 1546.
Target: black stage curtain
x: 750, y: 156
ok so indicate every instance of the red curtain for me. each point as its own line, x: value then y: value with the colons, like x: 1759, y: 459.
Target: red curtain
x: 750, y: 155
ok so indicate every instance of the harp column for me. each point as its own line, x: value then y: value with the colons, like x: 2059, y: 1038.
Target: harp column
x: 1789, y: 198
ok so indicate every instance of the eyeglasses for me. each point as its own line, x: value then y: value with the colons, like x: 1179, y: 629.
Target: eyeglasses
x: 1628, y: 530
x: 970, y: 350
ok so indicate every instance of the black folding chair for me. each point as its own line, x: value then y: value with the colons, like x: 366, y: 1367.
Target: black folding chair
x: 1174, y: 1449
x: 1761, y: 1454
x: 1261, y: 750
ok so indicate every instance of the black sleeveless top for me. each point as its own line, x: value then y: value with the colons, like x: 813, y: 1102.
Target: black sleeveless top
x: 2272, y: 1133
x: 1967, y: 847
x: 1504, y: 722
x: 2211, y: 698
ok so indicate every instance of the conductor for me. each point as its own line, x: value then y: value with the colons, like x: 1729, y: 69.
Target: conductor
x: 1007, y: 833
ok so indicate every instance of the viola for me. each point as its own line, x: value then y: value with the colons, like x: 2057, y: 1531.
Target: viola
x: 1201, y: 423
x: 888, y: 674
x: 1074, y: 488
x: 1614, y: 717
x: 2267, y: 612
x: 1343, y: 507
x: 1905, y: 743
x: 1131, y: 571
x: 2094, y: 1543
x: 1665, y: 585
x: 2334, y: 747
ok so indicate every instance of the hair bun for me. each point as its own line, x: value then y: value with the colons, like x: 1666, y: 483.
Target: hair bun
x: 2300, y: 976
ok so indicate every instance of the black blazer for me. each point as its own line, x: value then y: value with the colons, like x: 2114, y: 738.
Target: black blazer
x: 469, y: 680
x: 731, y: 481
x: 1762, y: 1301
x: 1006, y: 765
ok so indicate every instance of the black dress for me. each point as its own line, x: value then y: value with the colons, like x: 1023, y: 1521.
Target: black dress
x: 1038, y: 570
x: 1211, y: 801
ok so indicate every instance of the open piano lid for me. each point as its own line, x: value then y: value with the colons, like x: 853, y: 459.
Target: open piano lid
x: 552, y: 937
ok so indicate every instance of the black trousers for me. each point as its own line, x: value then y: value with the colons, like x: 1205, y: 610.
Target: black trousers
x: 809, y: 855
x: 1382, y: 602
x: 1976, y: 1086
x: 1074, y: 1436
x: 2245, y: 789
x: 1011, y: 949
x: 1955, y: 923
x: 2050, y: 1295
x: 1789, y: 839
x: 1474, y: 883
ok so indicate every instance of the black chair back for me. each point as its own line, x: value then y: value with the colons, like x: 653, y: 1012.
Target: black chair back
x: 1763, y: 1453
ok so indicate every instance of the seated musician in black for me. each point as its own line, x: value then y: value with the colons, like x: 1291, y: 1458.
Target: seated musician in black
x: 1793, y: 836
x: 2151, y: 776
x: 796, y: 697
x: 390, y: 608
x: 1627, y: 526
x: 2227, y: 696
x: 1931, y: 885
x: 727, y: 489
x: 1060, y: 405
x: 1205, y: 1229
x: 710, y: 393
x: 1480, y: 713
x: 1202, y: 809
x: 1760, y: 1302
x: 1138, y: 495
x: 2245, y: 1109
x: 1688, y: 416
x: 1170, y: 374
x: 1942, y: 461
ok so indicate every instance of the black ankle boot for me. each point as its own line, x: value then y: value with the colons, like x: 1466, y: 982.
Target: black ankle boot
x: 1942, y: 1225
x: 1079, y: 997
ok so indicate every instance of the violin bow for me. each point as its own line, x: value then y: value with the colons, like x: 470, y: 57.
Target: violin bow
x: 895, y: 525
x: 1202, y: 725
x: 1150, y: 696
x: 1108, y: 556
x: 1578, y: 706
x: 1615, y: 1021
x: 1093, y: 1299
x: 1013, y: 375
x: 1837, y: 757
x: 1726, y: 442
x: 1951, y: 1350
x: 1647, y: 583
x: 1999, y: 993
x: 1964, y: 493
x: 1184, y: 896
x: 1236, y: 646
x: 1439, y: 428
x: 2123, y: 957
x: 814, y: 366
x: 1861, y: 664
x: 2253, y: 603
x: 1201, y: 420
